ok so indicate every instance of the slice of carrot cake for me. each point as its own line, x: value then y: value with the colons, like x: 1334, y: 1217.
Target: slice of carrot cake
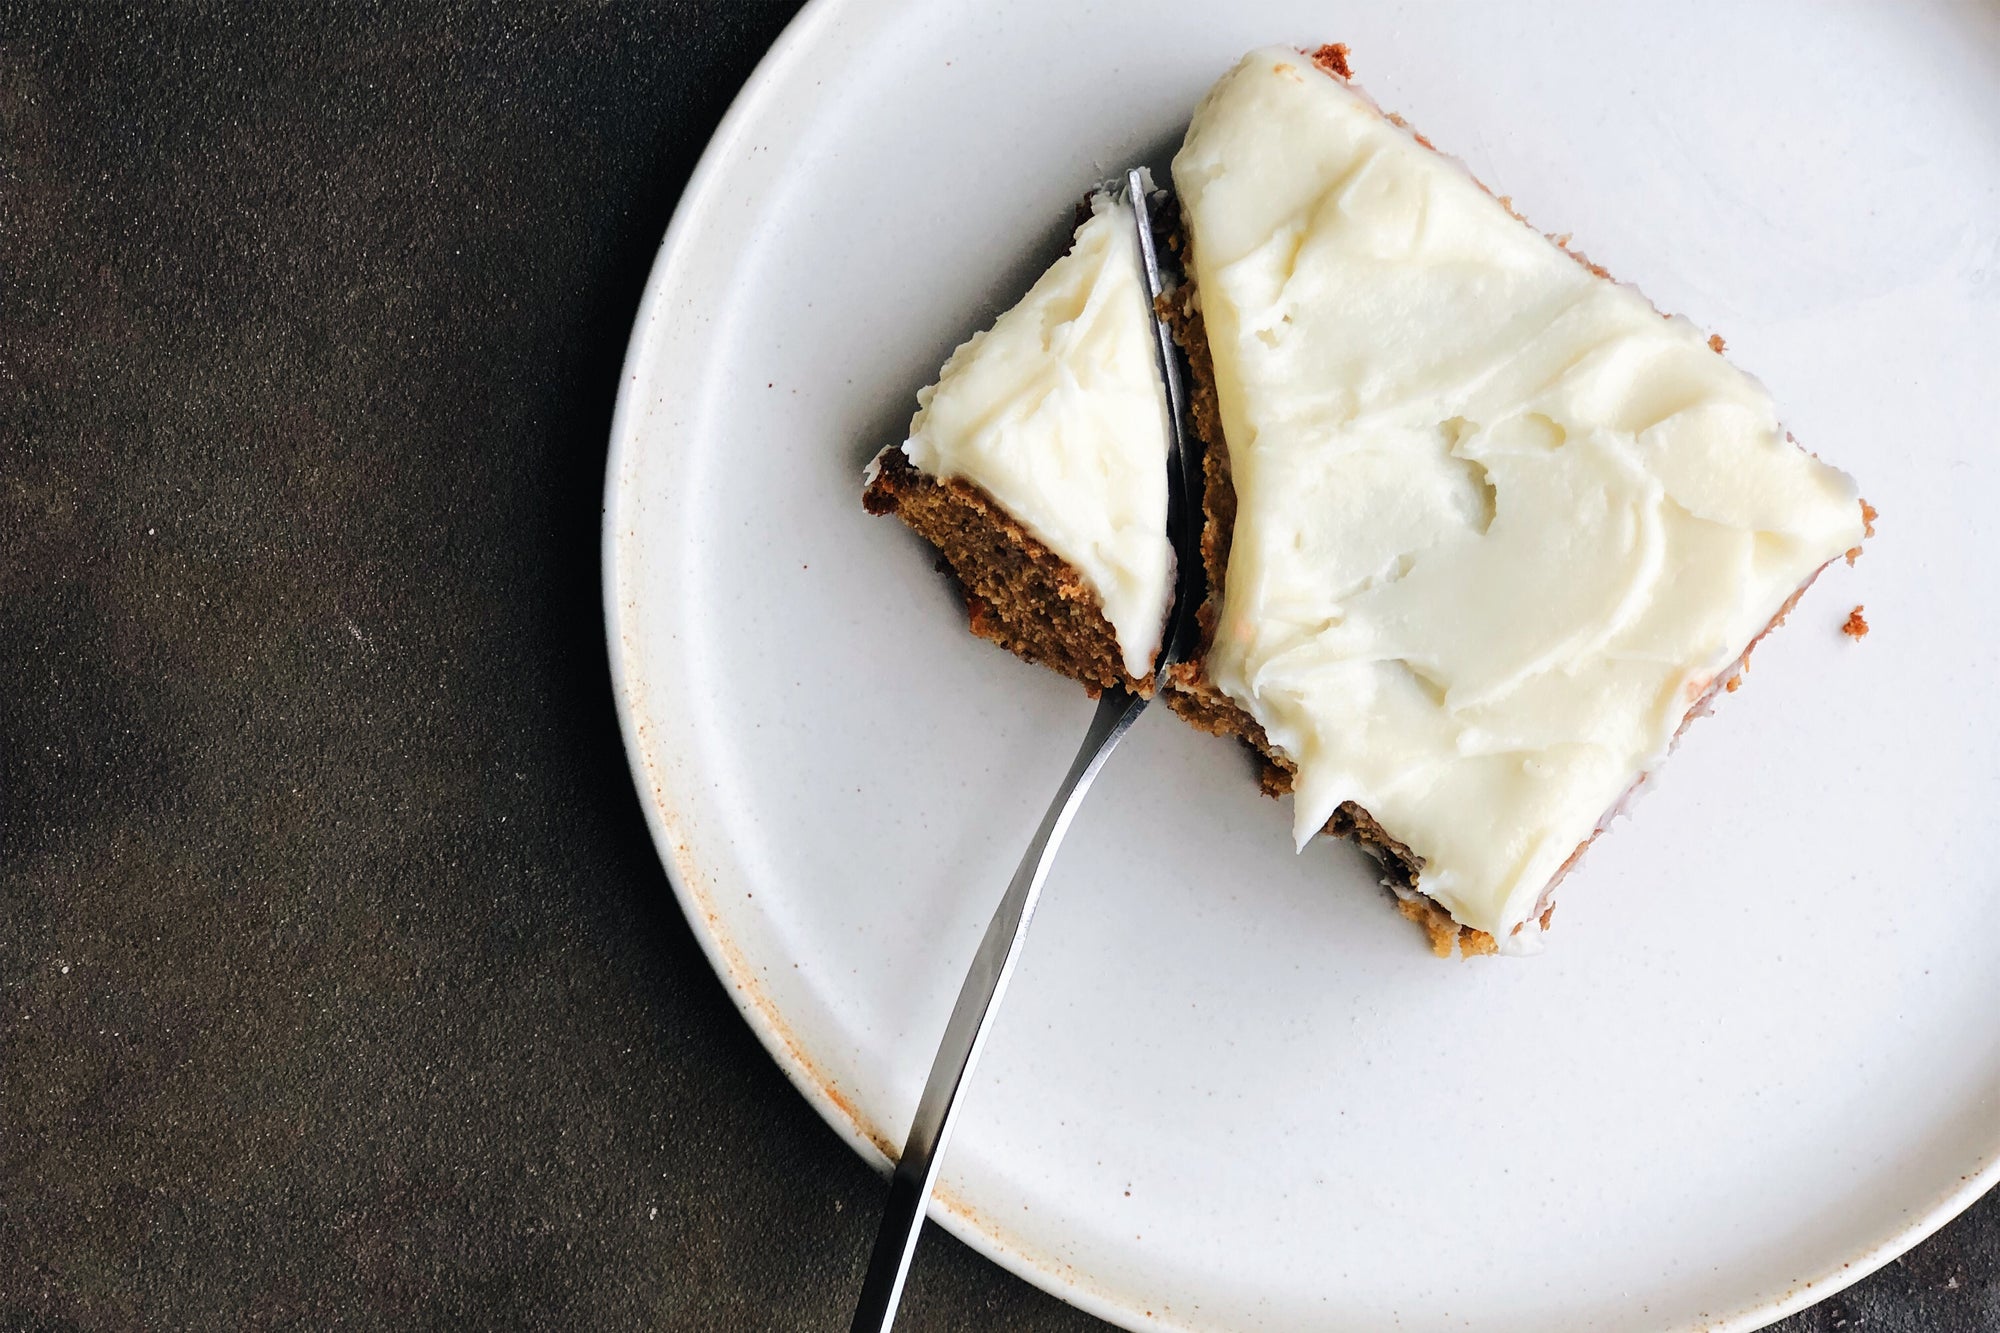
x: 1483, y: 529
x: 1037, y: 466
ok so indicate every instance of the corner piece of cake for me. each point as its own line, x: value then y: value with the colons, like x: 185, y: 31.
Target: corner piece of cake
x: 1037, y: 466
x: 1483, y: 529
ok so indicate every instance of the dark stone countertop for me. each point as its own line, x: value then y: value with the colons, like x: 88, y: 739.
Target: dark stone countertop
x: 339, y: 985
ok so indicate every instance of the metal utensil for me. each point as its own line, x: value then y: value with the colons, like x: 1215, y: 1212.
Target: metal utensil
x: 993, y: 966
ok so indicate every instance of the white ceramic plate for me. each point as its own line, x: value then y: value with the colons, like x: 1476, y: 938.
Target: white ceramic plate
x: 1231, y: 1089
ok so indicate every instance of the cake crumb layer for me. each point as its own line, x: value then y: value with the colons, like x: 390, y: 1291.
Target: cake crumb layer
x: 1018, y: 593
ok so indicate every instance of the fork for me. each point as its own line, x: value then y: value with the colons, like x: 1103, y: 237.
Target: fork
x: 993, y: 966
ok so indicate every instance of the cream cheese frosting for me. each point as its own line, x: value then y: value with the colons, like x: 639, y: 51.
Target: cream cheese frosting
x: 1499, y: 524
x: 1058, y: 413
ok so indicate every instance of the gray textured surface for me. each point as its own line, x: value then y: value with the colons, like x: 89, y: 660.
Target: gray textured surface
x: 339, y: 986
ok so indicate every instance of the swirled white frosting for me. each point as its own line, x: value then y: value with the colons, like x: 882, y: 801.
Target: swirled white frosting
x: 1499, y: 524
x: 1058, y: 413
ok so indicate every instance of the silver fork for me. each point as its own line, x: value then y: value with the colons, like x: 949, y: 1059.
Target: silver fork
x: 993, y: 966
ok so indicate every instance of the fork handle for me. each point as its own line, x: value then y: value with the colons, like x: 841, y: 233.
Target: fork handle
x: 971, y: 1021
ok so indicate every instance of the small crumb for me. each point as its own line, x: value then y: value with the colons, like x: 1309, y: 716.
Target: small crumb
x: 1438, y: 927
x: 1734, y: 684
x: 1856, y: 626
x: 65, y: 968
x: 1868, y: 516
x: 1333, y: 59
x: 1853, y: 554
x: 1476, y: 944
x: 652, y: 1213
x: 1716, y: 345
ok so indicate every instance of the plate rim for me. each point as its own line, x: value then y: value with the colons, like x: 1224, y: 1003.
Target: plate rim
x: 736, y: 974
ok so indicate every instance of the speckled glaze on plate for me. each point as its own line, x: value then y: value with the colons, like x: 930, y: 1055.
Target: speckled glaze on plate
x: 1231, y: 1090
